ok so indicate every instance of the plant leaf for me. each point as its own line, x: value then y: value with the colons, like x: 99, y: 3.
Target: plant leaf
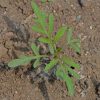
x: 21, y: 61
x: 69, y: 35
x: 70, y: 62
x: 69, y: 84
x: 51, y: 48
x: 36, y: 9
x: 40, y: 15
x: 59, y: 74
x: 59, y: 34
x: 38, y: 29
x: 51, y: 65
x: 36, y: 63
x: 43, y: 19
x: 51, y: 23
x: 43, y: 1
x: 44, y: 40
x: 73, y: 73
x: 75, y: 41
x: 35, y: 49
x: 75, y: 46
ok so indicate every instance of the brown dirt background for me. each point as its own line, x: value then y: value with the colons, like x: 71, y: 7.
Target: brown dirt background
x: 14, y: 85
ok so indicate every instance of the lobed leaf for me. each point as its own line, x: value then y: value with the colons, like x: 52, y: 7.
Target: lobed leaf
x: 59, y: 34
x: 69, y: 35
x: 51, y: 23
x: 75, y: 46
x: 38, y: 29
x: 51, y: 65
x: 44, y: 40
x: 69, y: 84
x: 70, y: 62
x: 40, y: 15
x: 36, y: 9
x: 73, y: 73
x: 20, y: 61
x: 43, y: 1
x: 59, y: 73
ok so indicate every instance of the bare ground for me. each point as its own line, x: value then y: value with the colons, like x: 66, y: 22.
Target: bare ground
x: 15, y: 84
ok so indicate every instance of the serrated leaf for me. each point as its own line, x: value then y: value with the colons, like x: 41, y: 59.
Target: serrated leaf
x: 36, y: 63
x: 51, y: 48
x: 70, y: 62
x: 51, y: 65
x: 38, y: 29
x: 59, y: 34
x: 73, y: 73
x: 51, y: 23
x: 17, y: 62
x: 69, y: 84
x: 44, y: 40
x: 69, y: 35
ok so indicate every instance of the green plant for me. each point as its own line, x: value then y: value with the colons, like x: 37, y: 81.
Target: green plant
x: 43, y: 1
x: 58, y: 59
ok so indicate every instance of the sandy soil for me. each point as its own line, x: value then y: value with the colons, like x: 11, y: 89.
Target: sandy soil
x: 16, y: 19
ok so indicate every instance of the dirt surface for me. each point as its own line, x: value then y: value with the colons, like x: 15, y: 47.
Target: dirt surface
x: 16, y: 19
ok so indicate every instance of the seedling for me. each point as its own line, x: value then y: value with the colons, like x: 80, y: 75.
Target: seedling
x: 62, y: 63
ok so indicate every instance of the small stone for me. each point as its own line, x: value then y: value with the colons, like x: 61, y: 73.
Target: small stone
x: 78, y: 89
x: 83, y: 38
x: 78, y: 18
x: 91, y: 27
x: 54, y: 11
x: 86, y: 53
x: 16, y: 92
x: 72, y: 5
x: 81, y: 24
x: 82, y: 76
x: 83, y: 93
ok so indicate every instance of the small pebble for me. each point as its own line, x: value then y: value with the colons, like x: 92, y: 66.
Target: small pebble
x: 91, y: 27
x: 72, y: 5
x: 84, y: 37
x: 16, y: 92
x: 82, y: 76
x: 83, y: 93
x: 78, y: 89
x: 78, y: 18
